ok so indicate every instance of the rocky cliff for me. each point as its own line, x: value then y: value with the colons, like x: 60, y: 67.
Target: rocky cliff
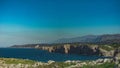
x: 73, y: 49
x: 83, y: 50
x: 79, y: 49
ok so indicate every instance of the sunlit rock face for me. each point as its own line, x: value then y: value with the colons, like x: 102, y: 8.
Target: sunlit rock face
x: 67, y: 48
x: 107, y: 53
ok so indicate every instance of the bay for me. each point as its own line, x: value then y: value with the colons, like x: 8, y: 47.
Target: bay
x: 41, y: 55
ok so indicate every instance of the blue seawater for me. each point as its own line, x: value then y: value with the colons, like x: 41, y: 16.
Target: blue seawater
x: 41, y: 55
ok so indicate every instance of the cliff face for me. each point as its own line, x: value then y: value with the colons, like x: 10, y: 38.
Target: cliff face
x: 72, y: 49
x: 117, y: 55
x: 82, y: 50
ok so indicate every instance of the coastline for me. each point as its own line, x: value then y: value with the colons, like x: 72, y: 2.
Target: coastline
x: 42, y: 55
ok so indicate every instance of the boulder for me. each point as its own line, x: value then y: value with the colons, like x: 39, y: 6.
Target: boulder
x: 51, y: 61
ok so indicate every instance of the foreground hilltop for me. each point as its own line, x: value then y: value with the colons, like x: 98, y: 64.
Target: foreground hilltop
x: 24, y: 63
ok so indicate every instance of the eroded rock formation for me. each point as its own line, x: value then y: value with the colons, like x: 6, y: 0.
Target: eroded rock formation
x: 73, y: 49
x: 83, y: 50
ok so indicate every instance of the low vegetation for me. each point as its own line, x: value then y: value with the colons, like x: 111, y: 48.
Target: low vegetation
x: 104, y: 65
x: 21, y: 63
x: 106, y: 47
x: 57, y: 65
x: 16, y: 61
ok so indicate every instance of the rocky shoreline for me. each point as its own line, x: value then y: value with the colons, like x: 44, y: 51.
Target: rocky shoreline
x: 53, y: 64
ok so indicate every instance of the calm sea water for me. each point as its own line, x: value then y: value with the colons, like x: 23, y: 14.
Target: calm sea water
x: 40, y: 55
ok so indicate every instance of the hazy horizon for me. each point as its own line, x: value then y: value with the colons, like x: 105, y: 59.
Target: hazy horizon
x: 40, y: 21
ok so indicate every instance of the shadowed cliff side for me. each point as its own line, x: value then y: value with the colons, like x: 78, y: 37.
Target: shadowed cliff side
x: 101, y: 50
x: 73, y: 49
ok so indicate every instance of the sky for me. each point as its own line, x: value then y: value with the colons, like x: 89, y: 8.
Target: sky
x: 42, y: 21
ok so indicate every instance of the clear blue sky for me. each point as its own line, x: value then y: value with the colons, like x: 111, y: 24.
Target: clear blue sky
x: 36, y: 21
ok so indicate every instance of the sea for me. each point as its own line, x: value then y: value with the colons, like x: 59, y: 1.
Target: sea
x: 41, y: 55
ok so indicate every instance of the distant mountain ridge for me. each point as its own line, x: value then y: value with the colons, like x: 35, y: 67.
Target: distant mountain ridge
x: 107, y: 38
x: 94, y: 39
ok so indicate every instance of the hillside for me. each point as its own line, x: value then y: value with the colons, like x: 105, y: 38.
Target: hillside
x: 111, y: 39
x: 101, y: 39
